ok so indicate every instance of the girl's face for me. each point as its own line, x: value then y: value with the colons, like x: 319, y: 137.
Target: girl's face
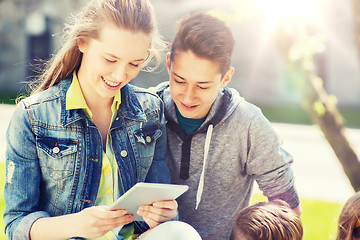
x: 111, y: 61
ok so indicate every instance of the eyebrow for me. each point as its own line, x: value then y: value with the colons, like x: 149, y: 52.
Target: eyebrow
x: 113, y: 56
x: 201, y: 82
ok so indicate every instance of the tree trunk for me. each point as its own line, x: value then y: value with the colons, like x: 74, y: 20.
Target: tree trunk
x: 332, y: 125
x: 321, y: 109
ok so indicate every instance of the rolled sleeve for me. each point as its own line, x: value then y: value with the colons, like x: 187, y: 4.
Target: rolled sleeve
x: 22, y: 230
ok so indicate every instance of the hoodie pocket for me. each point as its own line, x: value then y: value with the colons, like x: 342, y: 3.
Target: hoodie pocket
x: 57, y: 157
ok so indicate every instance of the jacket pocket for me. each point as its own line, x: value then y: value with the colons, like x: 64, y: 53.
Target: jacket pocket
x: 57, y: 156
x: 147, y: 136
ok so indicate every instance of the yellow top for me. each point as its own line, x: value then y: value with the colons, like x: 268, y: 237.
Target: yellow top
x: 110, y: 179
x: 357, y: 224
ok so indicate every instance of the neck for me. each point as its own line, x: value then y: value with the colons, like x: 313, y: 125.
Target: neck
x: 93, y: 99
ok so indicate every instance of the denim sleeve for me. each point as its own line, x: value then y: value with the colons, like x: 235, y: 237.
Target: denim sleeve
x: 22, y: 186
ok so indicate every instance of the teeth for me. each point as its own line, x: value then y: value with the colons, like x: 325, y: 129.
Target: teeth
x: 110, y: 83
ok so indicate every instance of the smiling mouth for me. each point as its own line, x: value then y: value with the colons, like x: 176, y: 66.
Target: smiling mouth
x: 111, y: 83
x: 189, y: 107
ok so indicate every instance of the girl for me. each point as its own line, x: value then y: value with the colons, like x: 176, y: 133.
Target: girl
x: 84, y: 137
x: 349, y: 219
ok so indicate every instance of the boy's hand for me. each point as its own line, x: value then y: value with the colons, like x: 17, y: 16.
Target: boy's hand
x: 158, y: 212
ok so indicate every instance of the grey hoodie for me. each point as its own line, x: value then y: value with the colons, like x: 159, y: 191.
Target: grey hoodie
x: 240, y: 147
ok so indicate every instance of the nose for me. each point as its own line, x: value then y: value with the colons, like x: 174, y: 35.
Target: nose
x: 189, y: 94
x: 119, y: 73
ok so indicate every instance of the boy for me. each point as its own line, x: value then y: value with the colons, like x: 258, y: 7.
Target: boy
x: 218, y: 143
x: 267, y: 221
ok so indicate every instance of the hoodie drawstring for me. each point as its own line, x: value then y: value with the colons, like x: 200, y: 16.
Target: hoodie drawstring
x: 202, y: 177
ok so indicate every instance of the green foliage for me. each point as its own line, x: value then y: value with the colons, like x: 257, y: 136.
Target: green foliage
x: 7, y: 98
x: 319, y: 108
x: 297, y: 115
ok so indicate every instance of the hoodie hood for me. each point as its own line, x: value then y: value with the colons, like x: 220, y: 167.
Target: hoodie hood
x: 225, y: 103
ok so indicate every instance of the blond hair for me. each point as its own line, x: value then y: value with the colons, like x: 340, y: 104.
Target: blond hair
x: 348, y: 217
x: 131, y: 15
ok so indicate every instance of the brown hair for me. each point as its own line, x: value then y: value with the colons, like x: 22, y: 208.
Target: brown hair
x: 267, y: 221
x: 131, y: 15
x: 205, y: 36
x: 348, y: 217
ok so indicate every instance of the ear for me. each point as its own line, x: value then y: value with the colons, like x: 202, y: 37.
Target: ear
x: 168, y: 62
x: 227, y: 77
x: 82, y: 44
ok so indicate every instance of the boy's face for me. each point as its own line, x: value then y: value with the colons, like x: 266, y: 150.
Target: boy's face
x: 195, y: 83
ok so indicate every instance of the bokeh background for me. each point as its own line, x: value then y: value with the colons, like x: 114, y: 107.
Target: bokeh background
x: 279, y: 44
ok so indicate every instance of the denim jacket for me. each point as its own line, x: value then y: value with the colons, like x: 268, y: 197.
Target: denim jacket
x: 54, y: 155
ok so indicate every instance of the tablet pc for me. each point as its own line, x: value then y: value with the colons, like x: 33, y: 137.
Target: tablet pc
x: 147, y: 193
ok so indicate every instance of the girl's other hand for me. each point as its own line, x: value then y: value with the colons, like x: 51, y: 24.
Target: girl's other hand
x: 158, y: 212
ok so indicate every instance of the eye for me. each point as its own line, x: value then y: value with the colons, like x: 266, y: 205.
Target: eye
x: 134, y: 64
x: 203, y: 88
x: 177, y: 81
x: 110, y: 61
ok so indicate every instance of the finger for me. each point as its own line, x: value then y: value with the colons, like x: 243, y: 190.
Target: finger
x: 111, y: 223
x: 167, y: 209
x: 116, y: 213
x: 169, y: 204
x: 157, y: 214
x: 150, y: 222
x: 104, y: 213
x: 105, y: 216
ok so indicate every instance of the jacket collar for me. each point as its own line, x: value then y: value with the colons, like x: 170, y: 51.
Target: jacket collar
x: 130, y: 107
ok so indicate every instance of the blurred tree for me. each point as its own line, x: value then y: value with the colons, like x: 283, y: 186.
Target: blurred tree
x: 299, y: 46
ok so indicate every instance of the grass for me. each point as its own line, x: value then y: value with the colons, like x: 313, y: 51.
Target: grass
x: 319, y: 218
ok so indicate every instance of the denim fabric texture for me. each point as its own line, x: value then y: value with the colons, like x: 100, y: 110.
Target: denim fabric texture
x: 54, y: 155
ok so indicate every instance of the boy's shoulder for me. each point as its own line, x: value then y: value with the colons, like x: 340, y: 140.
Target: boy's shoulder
x: 160, y: 88
x: 240, y: 105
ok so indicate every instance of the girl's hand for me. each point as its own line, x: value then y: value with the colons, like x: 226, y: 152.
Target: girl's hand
x: 91, y: 222
x: 97, y: 221
x: 158, y: 212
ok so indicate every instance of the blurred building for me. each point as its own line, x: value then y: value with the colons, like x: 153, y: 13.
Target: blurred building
x: 29, y: 32
x: 31, y: 29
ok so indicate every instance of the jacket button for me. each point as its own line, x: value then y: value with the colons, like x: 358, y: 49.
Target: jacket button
x: 56, y: 150
x: 123, y: 153
x: 148, y: 139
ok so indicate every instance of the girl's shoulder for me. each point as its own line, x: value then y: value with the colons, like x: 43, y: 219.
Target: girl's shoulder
x: 144, y: 96
x: 47, y: 95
